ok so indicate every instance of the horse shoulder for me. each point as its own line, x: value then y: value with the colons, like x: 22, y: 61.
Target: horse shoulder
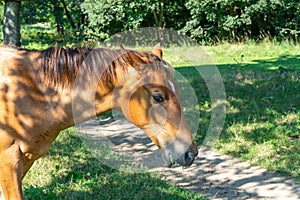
x: 26, y: 113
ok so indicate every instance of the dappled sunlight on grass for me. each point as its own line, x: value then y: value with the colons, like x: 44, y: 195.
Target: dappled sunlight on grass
x: 262, y: 83
x: 266, y: 52
x: 69, y: 171
x: 239, y: 127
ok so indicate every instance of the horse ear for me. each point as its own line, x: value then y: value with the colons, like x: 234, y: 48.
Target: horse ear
x: 136, y: 60
x: 123, y: 50
x: 157, y: 50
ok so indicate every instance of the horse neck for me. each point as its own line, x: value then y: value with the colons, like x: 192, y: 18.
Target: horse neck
x: 90, y: 100
x: 73, y: 104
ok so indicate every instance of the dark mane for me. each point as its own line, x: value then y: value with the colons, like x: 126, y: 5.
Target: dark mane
x: 60, y: 66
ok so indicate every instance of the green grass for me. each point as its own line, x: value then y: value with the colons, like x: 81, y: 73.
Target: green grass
x: 69, y: 171
x: 263, y: 114
x: 263, y: 105
x: 41, y: 36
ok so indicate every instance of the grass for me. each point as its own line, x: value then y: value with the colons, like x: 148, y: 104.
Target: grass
x: 69, y: 171
x: 41, y: 36
x: 262, y: 124
x: 263, y: 114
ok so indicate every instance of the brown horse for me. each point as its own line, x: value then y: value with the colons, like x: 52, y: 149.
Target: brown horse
x: 38, y: 90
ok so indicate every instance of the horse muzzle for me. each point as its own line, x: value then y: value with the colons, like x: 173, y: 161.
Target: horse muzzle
x: 189, y: 156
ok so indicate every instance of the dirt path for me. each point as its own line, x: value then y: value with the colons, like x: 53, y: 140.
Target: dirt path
x: 214, y: 175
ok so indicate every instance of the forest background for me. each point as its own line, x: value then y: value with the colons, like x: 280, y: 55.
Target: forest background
x: 207, y: 21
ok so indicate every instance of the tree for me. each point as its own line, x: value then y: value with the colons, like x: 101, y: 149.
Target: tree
x: 242, y: 19
x: 65, y: 15
x: 207, y: 20
x: 11, y: 23
x: 169, y: 13
x: 106, y: 18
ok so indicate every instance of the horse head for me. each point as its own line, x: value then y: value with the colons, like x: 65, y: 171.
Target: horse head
x: 149, y: 98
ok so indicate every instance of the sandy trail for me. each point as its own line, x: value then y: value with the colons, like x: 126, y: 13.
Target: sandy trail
x: 214, y: 175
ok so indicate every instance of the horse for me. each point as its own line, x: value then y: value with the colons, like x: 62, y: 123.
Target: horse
x: 38, y: 91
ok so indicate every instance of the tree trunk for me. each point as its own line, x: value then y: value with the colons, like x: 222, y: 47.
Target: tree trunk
x: 68, y: 15
x: 159, y: 15
x: 58, y: 14
x: 11, y: 23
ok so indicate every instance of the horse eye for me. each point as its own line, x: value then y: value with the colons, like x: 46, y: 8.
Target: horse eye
x: 158, y: 98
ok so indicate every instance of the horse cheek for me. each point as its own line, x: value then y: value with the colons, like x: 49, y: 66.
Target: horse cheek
x: 138, y: 112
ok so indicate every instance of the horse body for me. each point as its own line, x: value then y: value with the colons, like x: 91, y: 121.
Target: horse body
x: 31, y: 116
x: 30, y: 112
x: 37, y: 93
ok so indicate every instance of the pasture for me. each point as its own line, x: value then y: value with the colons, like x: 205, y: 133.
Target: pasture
x: 262, y: 83
x: 263, y: 99
x: 262, y: 125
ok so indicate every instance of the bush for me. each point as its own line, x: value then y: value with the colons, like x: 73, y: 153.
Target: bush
x: 107, y: 18
x: 240, y: 19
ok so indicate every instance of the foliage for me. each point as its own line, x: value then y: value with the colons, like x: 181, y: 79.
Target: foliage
x: 110, y: 17
x: 65, y: 15
x: 207, y: 20
x: 239, y: 19
x: 37, y: 11
x: 40, y: 36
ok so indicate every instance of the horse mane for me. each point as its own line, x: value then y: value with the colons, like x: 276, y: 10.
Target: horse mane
x: 60, y: 66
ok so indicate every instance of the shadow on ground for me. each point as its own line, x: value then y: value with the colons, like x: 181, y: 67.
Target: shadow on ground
x: 215, y: 175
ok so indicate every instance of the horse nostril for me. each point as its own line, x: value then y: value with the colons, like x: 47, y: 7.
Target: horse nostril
x: 186, y: 159
x: 189, y: 157
x: 195, y: 152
